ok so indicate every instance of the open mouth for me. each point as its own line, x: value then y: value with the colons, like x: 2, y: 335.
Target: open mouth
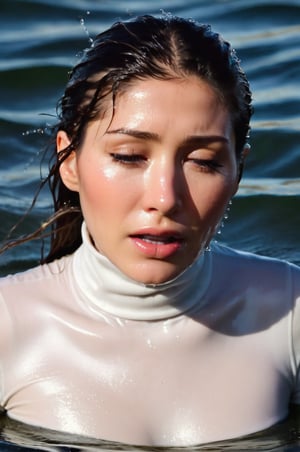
x: 157, y: 246
x: 159, y: 239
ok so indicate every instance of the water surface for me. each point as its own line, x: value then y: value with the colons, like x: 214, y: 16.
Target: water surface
x: 42, y: 39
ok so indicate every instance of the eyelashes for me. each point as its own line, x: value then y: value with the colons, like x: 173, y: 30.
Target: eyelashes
x: 210, y: 165
x: 135, y: 160
x: 127, y: 159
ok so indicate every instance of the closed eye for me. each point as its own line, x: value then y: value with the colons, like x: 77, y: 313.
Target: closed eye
x: 127, y: 159
x: 207, y: 165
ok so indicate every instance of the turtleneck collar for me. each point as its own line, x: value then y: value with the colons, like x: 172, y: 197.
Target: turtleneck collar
x: 107, y: 289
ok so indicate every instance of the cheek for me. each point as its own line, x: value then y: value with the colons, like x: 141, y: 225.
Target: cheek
x: 211, y: 197
x: 93, y: 185
x: 105, y: 189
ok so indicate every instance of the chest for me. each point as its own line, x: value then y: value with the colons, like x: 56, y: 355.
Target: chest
x: 164, y: 383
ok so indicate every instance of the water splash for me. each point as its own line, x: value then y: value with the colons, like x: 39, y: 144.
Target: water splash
x: 39, y: 131
x: 46, y: 130
x: 85, y: 29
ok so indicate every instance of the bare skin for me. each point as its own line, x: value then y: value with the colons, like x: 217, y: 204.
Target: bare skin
x: 154, y: 182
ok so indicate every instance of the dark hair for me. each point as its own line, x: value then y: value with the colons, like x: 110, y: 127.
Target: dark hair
x: 145, y: 47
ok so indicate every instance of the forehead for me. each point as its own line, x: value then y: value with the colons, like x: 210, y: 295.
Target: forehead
x: 191, y: 102
x: 172, y: 109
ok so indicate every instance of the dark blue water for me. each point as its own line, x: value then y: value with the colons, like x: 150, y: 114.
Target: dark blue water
x: 42, y: 39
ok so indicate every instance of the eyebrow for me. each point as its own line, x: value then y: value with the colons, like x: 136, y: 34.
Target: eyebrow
x: 151, y: 136
x: 140, y: 134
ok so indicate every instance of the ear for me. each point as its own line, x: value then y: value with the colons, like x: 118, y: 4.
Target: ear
x: 68, y: 168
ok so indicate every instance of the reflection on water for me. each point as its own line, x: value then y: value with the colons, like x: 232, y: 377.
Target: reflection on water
x: 269, y: 186
x: 15, y: 437
x: 35, y: 57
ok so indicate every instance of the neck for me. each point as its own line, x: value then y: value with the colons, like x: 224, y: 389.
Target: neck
x: 105, y: 288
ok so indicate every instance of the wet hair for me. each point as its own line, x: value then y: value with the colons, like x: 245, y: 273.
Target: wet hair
x: 145, y: 47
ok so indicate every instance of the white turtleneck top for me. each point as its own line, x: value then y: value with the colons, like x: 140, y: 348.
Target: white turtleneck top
x: 211, y: 355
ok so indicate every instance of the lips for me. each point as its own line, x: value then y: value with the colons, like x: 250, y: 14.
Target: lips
x: 160, y: 244
x: 158, y: 238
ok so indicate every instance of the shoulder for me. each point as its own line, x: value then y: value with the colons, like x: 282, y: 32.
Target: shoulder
x: 40, y: 284
x: 39, y: 273
x: 245, y: 261
x: 28, y: 298
x: 254, y: 292
x: 249, y: 271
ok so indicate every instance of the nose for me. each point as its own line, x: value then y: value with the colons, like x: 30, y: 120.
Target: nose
x: 163, y: 188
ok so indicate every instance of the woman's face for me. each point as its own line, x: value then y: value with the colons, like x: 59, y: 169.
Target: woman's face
x: 155, y: 180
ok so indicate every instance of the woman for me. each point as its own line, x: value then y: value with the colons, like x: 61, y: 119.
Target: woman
x: 136, y: 328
